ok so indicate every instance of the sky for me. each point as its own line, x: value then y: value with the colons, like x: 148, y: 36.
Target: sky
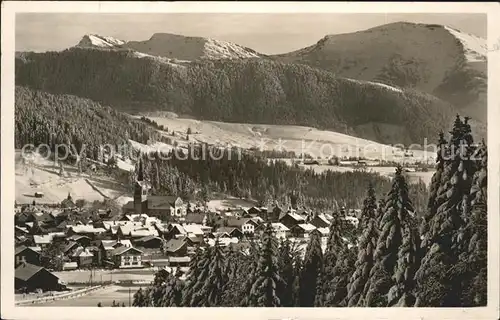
x: 270, y: 33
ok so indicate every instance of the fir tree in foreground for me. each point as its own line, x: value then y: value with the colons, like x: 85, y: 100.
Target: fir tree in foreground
x: 139, y: 299
x: 172, y: 293
x: 434, y: 186
x: 267, y: 280
x: 391, y: 278
x: 337, y: 268
x: 366, y: 248
x: 311, y: 271
x: 438, y: 282
x: 212, y: 286
x: 238, y: 266
x: 473, y: 263
x: 196, y: 277
x: 286, y: 257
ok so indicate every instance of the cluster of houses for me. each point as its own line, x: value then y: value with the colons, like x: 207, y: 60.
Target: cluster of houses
x: 156, y: 231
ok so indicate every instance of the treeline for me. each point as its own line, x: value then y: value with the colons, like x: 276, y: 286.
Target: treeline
x: 245, y: 90
x: 43, y: 118
x: 193, y: 173
x: 398, y: 259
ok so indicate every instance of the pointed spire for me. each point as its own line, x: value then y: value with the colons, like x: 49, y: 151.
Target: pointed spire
x: 140, y: 173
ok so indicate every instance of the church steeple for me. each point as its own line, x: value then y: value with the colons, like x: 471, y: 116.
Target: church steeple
x: 140, y: 191
x: 140, y: 172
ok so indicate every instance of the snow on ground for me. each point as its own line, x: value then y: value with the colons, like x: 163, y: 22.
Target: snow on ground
x: 385, y: 86
x: 42, y: 175
x: 375, y: 84
x: 105, y: 296
x: 229, y: 203
x: 172, y: 62
x: 300, y: 139
x: 475, y: 47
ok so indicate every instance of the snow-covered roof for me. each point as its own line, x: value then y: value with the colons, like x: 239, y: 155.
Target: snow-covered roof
x: 195, y: 229
x: 306, y: 226
x: 324, y: 231
x: 42, y: 239
x: 86, y: 229
x: 223, y: 242
x: 278, y: 226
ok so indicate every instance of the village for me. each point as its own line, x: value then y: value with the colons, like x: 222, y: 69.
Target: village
x: 149, y: 233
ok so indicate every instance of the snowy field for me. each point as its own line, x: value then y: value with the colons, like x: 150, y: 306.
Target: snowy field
x: 43, y: 176
x: 299, y: 139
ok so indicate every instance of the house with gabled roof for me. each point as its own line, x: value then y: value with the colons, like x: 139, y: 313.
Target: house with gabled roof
x: 83, y: 257
x: 280, y: 230
x: 69, y: 248
x: 245, y: 225
x: 176, y: 247
x: 30, y: 277
x: 136, y: 232
x: 229, y: 232
x: 149, y: 242
x: 319, y: 221
x: 302, y: 230
x: 126, y: 257
x: 291, y: 219
x: 82, y: 240
x: 26, y: 254
x: 42, y: 240
x: 107, y: 246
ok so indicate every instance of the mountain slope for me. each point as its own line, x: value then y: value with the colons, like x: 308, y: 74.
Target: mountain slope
x: 432, y: 58
x: 248, y: 90
x: 43, y: 118
x: 173, y: 46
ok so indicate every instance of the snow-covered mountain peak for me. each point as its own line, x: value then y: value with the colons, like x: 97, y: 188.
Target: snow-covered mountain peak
x: 475, y: 48
x: 216, y: 49
x: 94, y: 40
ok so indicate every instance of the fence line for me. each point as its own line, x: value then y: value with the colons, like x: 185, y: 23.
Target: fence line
x: 69, y: 295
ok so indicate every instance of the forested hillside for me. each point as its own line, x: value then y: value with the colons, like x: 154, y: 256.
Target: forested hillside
x: 248, y: 90
x: 43, y: 118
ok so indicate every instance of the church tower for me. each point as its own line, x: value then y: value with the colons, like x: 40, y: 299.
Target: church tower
x: 140, y: 191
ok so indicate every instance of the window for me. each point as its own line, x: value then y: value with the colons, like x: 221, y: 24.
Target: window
x: 134, y: 258
x: 135, y: 263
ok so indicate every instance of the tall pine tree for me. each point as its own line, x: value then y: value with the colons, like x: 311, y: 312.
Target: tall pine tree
x: 198, y: 272
x: 366, y: 248
x: 473, y: 263
x: 337, y: 267
x: 391, y: 278
x: 311, y: 271
x: 267, y: 280
x: 212, y: 281
x: 286, y: 256
x: 438, y: 283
